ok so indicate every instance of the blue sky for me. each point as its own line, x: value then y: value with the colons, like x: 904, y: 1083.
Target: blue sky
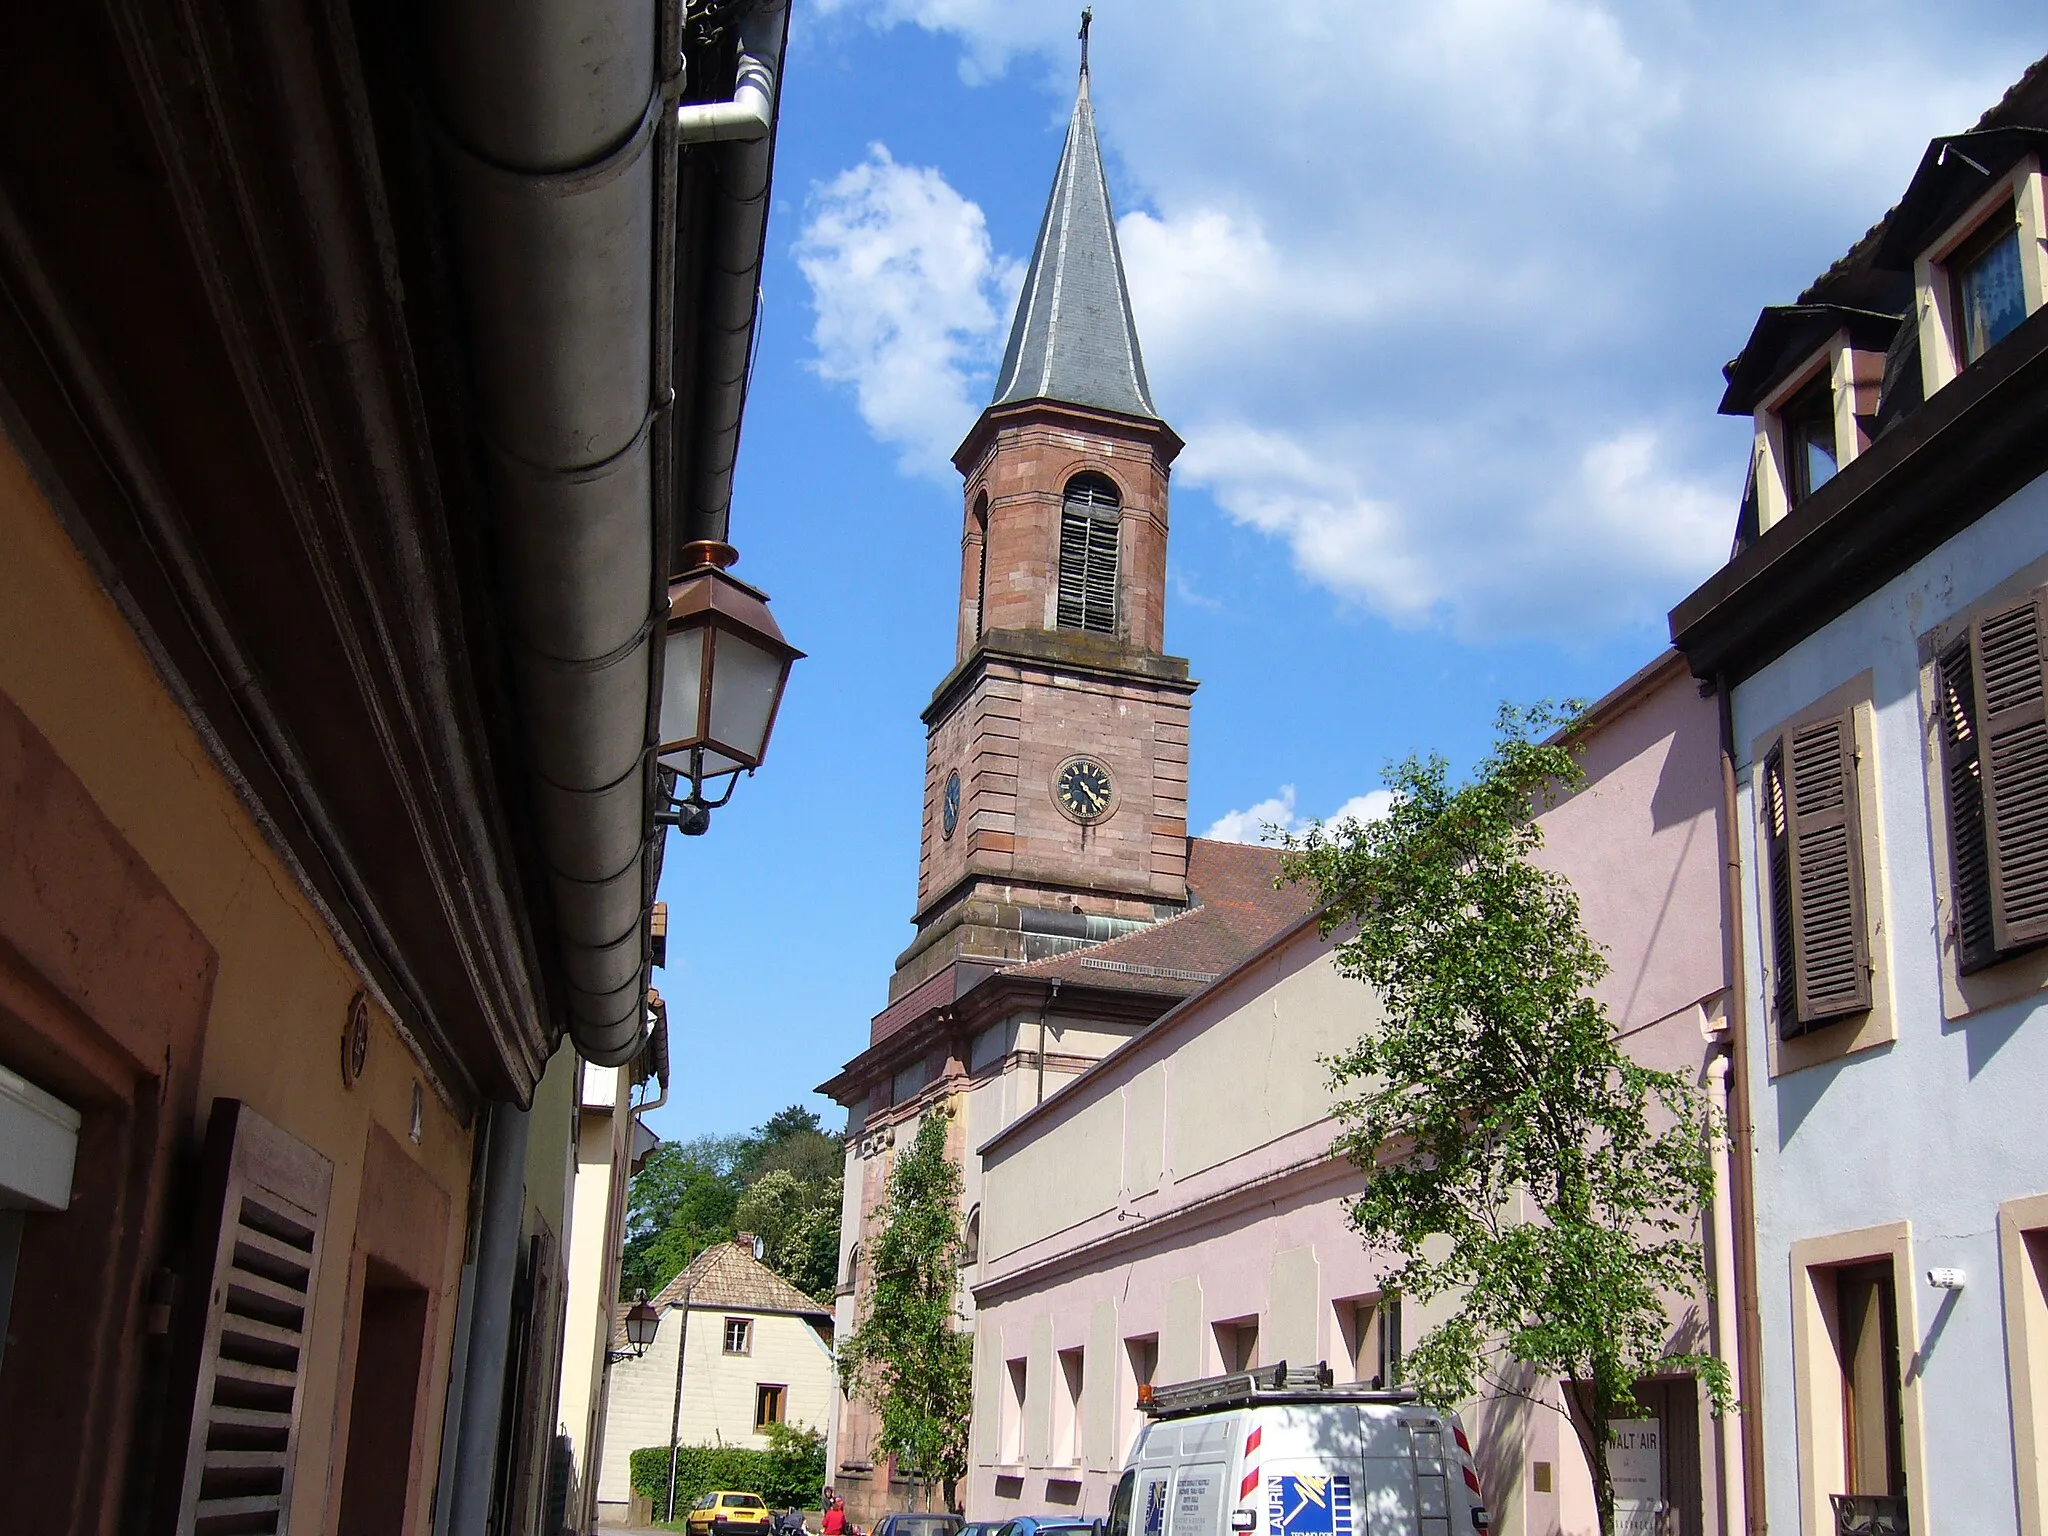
x: 1437, y: 292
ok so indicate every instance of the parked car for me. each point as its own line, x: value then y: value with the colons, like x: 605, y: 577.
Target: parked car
x: 1050, y: 1525
x: 723, y: 1512
x: 982, y: 1527
x: 919, y: 1525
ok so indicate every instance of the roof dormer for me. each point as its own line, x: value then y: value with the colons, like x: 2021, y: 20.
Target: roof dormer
x: 1971, y: 229
x: 1809, y: 376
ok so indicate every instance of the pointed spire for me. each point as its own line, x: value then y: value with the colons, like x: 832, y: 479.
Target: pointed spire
x: 1073, y: 338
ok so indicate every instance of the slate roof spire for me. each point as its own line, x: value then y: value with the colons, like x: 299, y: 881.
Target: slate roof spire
x: 1073, y: 339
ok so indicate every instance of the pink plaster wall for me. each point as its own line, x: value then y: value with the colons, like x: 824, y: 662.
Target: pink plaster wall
x: 1641, y: 846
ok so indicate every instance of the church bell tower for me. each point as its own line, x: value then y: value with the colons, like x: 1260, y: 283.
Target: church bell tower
x: 1056, y: 761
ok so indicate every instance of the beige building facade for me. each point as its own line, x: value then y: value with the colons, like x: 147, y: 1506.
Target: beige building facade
x: 753, y: 1351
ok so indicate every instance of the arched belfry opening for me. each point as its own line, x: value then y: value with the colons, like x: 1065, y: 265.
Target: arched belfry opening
x: 1090, y: 516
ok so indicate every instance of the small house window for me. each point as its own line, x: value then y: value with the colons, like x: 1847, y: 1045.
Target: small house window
x: 1089, y: 521
x: 1808, y: 422
x: 1866, y: 1322
x: 768, y: 1405
x: 739, y: 1336
x: 1985, y: 286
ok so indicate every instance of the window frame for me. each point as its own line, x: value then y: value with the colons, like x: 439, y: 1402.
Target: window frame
x: 1941, y: 349
x: 2022, y: 1233
x: 780, y: 1400
x: 1851, y: 377
x: 1817, y: 1365
x: 746, y: 1328
x: 1874, y: 1024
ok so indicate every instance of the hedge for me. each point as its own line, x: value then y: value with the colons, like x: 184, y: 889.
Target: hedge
x: 791, y: 1476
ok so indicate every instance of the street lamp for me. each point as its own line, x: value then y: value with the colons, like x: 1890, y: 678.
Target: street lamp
x: 723, y: 670
x: 642, y: 1324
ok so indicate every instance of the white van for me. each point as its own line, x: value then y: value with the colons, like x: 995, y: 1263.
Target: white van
x: 1285, y: 1453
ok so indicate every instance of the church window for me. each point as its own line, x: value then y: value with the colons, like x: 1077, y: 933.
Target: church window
x: 971, y: 1247
x: 1088, y: 549
x: 980, y: 565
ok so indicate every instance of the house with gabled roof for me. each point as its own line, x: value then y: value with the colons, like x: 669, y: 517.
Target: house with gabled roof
x: 738, y: 1349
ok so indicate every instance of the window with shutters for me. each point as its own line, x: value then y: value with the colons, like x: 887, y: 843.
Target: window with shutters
x: 238, y: 1351
x: 1991, y: 704
x: 1090, y: 515
x: 1811, y: 837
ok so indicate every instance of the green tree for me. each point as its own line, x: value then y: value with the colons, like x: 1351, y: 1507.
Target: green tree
x: 797, y: 1221
x: 908, y: 1357
x: 1558, y: 1183
x: 687, y: 1196
x: 680, y: 1202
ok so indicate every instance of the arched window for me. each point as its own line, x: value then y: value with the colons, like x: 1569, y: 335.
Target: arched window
x: 981, y: 564
x: 971, y: 1249
x: 852, y: 1268
x: 1088, y: 540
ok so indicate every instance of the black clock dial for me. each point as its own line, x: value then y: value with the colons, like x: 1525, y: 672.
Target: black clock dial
x: 1084, y: 790
x: 949, y: 806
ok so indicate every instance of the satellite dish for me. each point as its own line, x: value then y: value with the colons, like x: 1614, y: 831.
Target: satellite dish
x: 760, y: 1249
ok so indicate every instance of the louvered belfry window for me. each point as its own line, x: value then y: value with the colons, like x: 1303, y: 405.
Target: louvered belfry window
x: 1994, y: 737
x: 1089, y: 517
x: 238, y: 1358
x: 1814, y: 862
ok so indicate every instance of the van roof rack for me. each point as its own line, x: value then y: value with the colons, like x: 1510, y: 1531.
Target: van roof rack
x: 1276, y: 1383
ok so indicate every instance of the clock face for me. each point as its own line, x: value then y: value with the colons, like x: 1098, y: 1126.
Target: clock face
x: 949, y: 806
x: 1083, y: 789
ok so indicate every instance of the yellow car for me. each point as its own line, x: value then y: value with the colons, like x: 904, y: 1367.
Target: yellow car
x: 720, y: 1512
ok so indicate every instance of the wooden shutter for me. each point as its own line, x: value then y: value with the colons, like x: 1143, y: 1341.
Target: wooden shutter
x: 2012, y: 715
x: 1089, y: 532
x: 239, y: 1357
x: 1955, y: 693
x: 1777, y: 837
x: 1831, y: 950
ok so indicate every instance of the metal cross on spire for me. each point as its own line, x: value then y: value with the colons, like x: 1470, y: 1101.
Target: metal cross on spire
x: 1087, y: 20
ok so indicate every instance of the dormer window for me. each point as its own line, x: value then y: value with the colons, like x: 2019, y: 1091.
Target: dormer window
x: 1986, y: 287
x: 1972, y: 227
x: 1807, y: 424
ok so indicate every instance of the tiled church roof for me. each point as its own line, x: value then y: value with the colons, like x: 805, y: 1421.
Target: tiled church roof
x: 1073, y: 338
x: 1237, y: 913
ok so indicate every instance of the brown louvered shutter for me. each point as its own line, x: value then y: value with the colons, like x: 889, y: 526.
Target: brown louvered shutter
x: 239, y: 1358
x: 2012, y: 715
x: 1955, y: 692
x: 1089, y: 530
x: 1831, y: 951
x: 1777, y: 833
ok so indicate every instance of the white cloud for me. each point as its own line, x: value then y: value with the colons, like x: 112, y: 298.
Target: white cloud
x: 909, y: 301
x: 1437, y: 290
x: 1271, y: 819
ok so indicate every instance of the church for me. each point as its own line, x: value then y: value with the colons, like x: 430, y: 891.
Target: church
x: 1123, y: 1025
x: 1062, y: 907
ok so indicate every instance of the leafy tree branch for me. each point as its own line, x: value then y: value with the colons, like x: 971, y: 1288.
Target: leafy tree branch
x: 1520, y: 1166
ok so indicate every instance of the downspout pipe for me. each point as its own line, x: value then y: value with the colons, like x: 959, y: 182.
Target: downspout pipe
x: 1749, y: 1384
x: 490, y: 1327
x: 1728, y: 1432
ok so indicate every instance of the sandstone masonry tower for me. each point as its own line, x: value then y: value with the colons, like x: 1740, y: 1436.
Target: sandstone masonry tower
x: 1057, y: 755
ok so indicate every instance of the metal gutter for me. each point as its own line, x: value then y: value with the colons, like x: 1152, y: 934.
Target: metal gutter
x: 560, y: 135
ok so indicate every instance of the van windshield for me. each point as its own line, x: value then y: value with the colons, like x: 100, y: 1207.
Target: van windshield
x: 1120, y: 1505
